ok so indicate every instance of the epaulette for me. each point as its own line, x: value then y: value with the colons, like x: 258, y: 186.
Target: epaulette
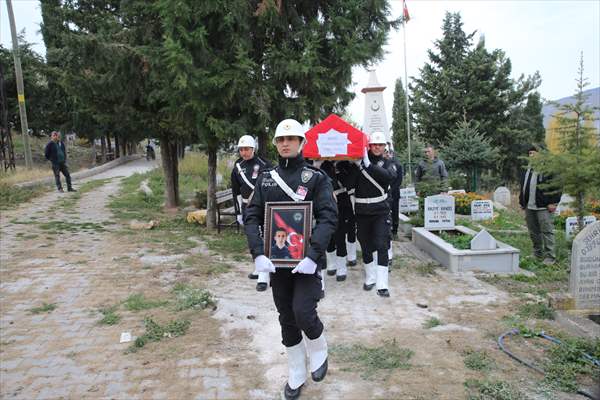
x: 315, y: 169
x: 267, y: 170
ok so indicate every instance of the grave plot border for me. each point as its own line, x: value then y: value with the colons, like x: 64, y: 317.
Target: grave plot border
x: 503, y: 260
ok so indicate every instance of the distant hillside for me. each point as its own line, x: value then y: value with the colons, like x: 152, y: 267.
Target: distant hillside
x: 593, y: 100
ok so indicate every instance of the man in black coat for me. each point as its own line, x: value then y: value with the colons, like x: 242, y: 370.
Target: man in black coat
x: 539, y: 205
x: 56, y: 153
x: 296, y: 291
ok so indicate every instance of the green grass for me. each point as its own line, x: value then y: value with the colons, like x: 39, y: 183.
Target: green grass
x: 372, y: 360
x: 68, y: 202
x: 156, y: 332
x: 59, y: 227
x: 138, y: 302
x: 491, y: 390
x: 228, y: 243
x: 460, y: 241
x: 110, y: 317
x: 188, y: 297
x: 536, y: 310
x: 44, y: 308
x: 12, y: 196
x: 432, y: 323
x: 478, y: 360
x: 131, y: 203
x: 426, y: 269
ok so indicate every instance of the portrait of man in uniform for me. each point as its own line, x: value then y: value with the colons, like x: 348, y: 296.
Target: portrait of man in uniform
x: 287, y: 228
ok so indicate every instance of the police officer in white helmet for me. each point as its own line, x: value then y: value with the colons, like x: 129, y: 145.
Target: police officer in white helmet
x: 245, y: 172
x: 372, y: 209
x: 296, y: 291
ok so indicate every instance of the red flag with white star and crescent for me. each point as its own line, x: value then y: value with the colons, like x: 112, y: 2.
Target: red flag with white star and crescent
x: 405, y: 16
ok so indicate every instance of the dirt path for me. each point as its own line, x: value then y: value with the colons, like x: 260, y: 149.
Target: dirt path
x: 233, y: 352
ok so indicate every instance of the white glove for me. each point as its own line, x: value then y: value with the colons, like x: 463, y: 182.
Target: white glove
x: 263, y: 264
x: 317, y: 163
x: 306, y: 266
x: 240, y: 219
x: 365, y: 160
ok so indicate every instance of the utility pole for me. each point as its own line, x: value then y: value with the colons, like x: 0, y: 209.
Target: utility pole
x: 20, y: 86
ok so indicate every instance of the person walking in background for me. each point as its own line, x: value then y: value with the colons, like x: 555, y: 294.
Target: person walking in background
x: 431, y: 167
x: 539, y: 205
x: 56, y: 153
x: 243, y: 178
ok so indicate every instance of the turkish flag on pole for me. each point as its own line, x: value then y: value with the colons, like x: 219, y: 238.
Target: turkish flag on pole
x: 405, y: 16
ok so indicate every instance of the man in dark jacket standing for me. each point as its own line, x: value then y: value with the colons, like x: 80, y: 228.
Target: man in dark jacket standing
x: 431, y: 167
x: 539, y: 207
x: 56, y: 153
x: 296, y: 291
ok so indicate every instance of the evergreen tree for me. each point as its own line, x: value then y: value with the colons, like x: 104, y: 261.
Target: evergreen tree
x: 469, y: 151
x: 576, y: 168
x: 399, y: 117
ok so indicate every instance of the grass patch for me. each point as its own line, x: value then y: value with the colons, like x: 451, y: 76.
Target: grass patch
x: 138, y: 302
x: 58, y: 227
x: 491, y: 390
x: 460, y: 241
x: 110, y: 317
x: 12, y: 196
x: 536, y: 310
x: 69, y: 202
x: 371, y: 360
x: 432, y: 323
x: 156, y: 332
x: 478, y: 360
x: 426, y: 269
x: 44, y: 308
x: 189, y: 297
x: 227, y: 242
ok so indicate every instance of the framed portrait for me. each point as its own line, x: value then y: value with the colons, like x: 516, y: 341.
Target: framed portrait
x: 287, y: 229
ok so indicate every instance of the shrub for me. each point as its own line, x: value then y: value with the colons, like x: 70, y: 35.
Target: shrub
x: 463, y: 202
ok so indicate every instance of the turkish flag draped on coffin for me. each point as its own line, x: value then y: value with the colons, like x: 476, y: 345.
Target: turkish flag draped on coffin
x: 334, y: 139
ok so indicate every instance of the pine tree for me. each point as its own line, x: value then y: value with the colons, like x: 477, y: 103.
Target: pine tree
x: 469, y: 151
x: 399, y: 117
x: 576, y: 168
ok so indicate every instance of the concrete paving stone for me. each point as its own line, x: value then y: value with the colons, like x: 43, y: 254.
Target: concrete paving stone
x: 159, y: 396
x: 54, y: 392
x: 117, y: 389
x: 139, y: 373
x: 149, y: 383
x: 8, y: 378
x: 7, y: 364
x: 189, y: 362
x: 214, y: 372
x: 195, y: 372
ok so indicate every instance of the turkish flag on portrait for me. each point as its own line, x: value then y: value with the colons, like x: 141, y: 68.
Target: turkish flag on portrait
x: 295, y: 240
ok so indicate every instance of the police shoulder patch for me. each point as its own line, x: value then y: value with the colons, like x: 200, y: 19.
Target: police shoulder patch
x: 306, y: 175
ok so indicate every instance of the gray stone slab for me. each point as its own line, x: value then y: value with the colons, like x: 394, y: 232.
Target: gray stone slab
x: 483, y: 241
x: 584, y: 281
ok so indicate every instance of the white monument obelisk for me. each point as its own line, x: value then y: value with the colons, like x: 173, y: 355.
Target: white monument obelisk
x: 375, y: 117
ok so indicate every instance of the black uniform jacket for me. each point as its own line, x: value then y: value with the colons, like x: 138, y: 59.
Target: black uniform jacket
x: 338, y: 172
x: 251, y: 169
x: 318, y: 188
x: 383, y: 173
x: 397, y: 182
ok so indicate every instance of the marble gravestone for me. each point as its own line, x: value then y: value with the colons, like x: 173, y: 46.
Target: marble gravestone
x: 584, y: 281
x: 572, y: 225
x: 439, y: 212
x: 482, y: 210
x: 483, y: 241
x: 408, y: 200
x: 502, y: 196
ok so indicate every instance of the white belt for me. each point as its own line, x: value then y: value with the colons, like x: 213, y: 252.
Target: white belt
x: 338, y: 191
x: 371, y: 200
x: 351, y: 192
x: 245, y: 201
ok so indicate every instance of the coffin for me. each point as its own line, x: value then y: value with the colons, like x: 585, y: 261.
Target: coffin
x: 335, y: 139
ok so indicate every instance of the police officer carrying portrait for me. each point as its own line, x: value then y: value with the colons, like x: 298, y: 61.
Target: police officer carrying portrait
x: 372, y: 209
x: 245, y: 172
x: 296, y: 291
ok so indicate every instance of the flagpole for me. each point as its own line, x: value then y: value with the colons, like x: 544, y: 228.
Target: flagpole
x: 406, y: 95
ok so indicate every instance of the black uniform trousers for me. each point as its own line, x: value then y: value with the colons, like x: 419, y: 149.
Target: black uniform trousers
x: 296, y: 297
x: 395, y: 207
x: 350, y: 218
x: 57, y: 169
x: 346, y: 227
x: 374, y: 235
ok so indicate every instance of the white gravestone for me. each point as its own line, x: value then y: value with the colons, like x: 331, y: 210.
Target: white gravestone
x: 564, y: 204
x: 439, y: 212
x: 571, y: 224
x: 408, y: 200
x: 482, y: 210
x: 483, y: 241
x: 457, y: 191
x: 502, y: 196
x: 584, y: 281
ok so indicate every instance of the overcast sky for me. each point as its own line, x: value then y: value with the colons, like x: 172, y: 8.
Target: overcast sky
x: 537, y: 35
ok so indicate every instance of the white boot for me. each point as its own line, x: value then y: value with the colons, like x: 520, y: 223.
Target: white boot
x: 296, y: 365
x: 390, y: 254
x: 317, y: 355
x: 331, y: 267
x: 382, y: 281
x: 351, y: 257
x: 263, y: 281
x: 370, y: 276
x: 342, y: 270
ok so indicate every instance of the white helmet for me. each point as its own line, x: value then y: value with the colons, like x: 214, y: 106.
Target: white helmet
x: 377, y: 138
x: 289, y: 127
x: 246, y: 141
